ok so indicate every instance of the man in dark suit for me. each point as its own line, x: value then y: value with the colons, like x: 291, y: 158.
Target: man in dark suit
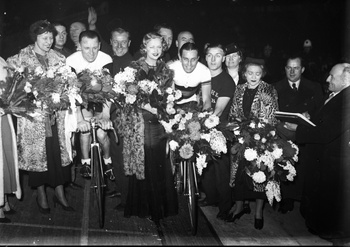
x: 298, y: 95
x: 326, y: 199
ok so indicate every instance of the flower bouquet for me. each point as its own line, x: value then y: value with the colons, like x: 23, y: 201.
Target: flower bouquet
x: 193, y: 136
x: 268, y: 159
x: 133, y: 93
x: 13, y: 97
x: 95, y: 86
x: 54, y: 89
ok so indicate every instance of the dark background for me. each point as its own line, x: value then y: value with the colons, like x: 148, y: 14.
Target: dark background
x: 284, y: 24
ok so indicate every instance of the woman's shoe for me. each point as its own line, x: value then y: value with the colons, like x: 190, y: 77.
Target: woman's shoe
x: 65, y: 208
x: 231, y: 218
x: 41, y: 209
x: 259, y: 223
x: 5, y: 220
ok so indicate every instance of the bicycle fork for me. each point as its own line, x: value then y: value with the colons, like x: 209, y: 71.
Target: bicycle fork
x: 185, y: 172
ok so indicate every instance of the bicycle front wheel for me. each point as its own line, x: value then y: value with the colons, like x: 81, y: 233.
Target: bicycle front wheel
x: 192, y: 198
x: 98, y: 184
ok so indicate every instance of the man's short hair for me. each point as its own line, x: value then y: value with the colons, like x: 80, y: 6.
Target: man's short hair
x: 214, y: 45
x: 89, y: 34
x: 120, y: 30
x: 157, y: 27
x: 189, y: 46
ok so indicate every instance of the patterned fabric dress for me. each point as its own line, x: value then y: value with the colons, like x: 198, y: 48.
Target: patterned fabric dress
x: 41, y: 142
x: 260, y: 103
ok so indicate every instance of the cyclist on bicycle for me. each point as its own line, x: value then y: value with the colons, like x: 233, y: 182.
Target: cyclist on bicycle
x: 90, y: 57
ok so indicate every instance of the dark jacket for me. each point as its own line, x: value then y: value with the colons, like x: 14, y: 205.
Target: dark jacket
x: 326, y: 200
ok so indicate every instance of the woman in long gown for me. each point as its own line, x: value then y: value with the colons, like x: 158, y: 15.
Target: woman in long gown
x: 151, y: 189
x: 42, y: 147
x: 253, y: 99
x: 9, y: 174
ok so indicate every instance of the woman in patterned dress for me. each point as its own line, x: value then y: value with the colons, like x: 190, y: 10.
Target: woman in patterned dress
x: 41, y: 142
x: 253, y: 99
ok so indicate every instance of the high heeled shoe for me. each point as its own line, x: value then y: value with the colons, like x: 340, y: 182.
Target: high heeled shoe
x: 65, y: 208
x: 41, y: 209
x: 258, y: 223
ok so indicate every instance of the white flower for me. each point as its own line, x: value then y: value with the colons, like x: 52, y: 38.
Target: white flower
x: 130, y: 99
x: 250, y: 154
x: 38, y: 71
x: 259, y: 177
x: 186, y: 151
x: 173, y: 145
x: 170, y: 98
x: 263, y: 140
x: 236, y: 132
x: 273, y: 191
x: 167, y: 126
x: 211, y: 121
x: 267, y: 159
x: 291, y: 170
x: 277, y: 152
x: 260, y: 125
x: 188, y: 116
x: 169, y: 90
x: 241, y: 140
x: 273, y: 133
x: 170, y: 109
x: 205, y: 136
x: 56, y: 97
x: 201, y: 163
x: 257, y: 137
x: 28, y: 87
x: 178, y: 94
x: 252, y: 125
x: 218, y: 141
x: 50, y: 73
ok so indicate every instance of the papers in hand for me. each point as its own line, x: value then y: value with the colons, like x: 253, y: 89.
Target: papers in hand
x: 292, y: 117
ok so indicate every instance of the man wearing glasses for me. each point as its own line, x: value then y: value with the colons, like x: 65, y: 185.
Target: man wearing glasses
x: 298, y: 95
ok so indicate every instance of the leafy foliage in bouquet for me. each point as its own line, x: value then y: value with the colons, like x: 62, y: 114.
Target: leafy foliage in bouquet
x: 13, y: 97
x: 95, y: 86
x: 194, y: 136
x: 54, y: 89
x: 269, y: 159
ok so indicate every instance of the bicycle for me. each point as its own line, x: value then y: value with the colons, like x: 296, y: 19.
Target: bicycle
x: 97, y: 175
x: 187, y: 185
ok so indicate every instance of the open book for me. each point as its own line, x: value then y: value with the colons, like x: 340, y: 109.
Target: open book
x: 292, y: 117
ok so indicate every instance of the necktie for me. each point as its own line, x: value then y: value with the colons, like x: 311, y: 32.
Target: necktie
x: 294, y: 87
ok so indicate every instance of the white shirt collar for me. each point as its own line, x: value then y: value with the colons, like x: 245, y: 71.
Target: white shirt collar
x: 297, y: 83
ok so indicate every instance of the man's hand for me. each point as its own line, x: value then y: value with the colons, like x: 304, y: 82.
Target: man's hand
x: 92, y: 18
x: 106, y: 124
x: 83, y: 126
x: 290, y: 126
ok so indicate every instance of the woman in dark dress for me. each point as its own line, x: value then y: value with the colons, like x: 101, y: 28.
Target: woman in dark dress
x: 151, y: 189
x: 41, y: 143
x: 253, y: 99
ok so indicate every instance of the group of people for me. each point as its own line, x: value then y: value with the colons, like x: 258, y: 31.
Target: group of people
x: 225, y: 83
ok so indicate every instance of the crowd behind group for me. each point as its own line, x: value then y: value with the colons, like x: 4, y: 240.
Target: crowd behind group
x: 224, y: 81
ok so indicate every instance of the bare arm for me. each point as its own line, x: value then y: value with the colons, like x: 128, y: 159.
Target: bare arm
x: 206, y: 89
x: 220, y: 105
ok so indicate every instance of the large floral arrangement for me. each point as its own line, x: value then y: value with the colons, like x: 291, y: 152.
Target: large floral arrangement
x: 133, y: 93
x: 268, y: 158
x: 194, y: 136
